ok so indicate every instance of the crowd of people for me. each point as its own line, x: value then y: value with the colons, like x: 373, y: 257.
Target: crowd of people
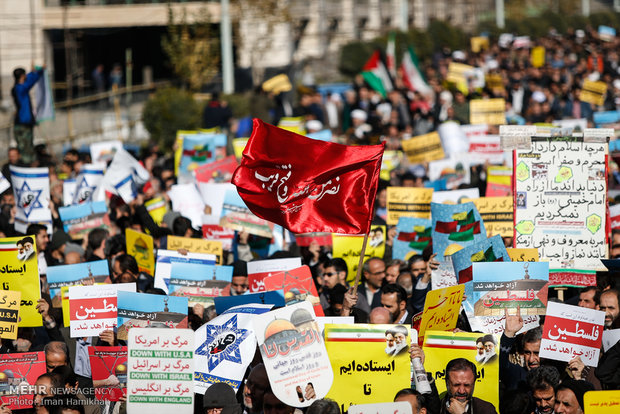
x: 391, y: 291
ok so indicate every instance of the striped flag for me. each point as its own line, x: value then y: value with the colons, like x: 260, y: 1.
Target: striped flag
x: 7, y: 245
x: 353, y: 334
x: 437, y: 340
x: 412, y: 74
x: 390, y: 54
x: 157, y: 209
x: 375, y: 73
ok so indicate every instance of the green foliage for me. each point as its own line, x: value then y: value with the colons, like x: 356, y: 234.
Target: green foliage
x: 170, y: 110
x: 239, y: 104
x: 353, y: 56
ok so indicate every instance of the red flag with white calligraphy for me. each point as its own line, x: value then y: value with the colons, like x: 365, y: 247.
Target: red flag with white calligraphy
x: 307, y: 185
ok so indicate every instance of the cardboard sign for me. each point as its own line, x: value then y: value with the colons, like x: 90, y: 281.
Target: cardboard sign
x: 369, y: 362
x: 497, y: 214
x: 455, y: 170
x: 593, y: 92
x: 499, y: 286
x: 537, y: 56
x: 259, y: 269
x: 297, y: 285
x: 218, y: 171
x: 601, y: 402
x: 487, y: 111
x: 9, y: 313
x: 93, y: 308
x: 572, y: 331
x: 444, y: 275
x: 237, y: 216
x: 161, y: 371
x: 413, y: 235
x: 24, y: 369
x: 31, y: 188
x: 196, y: 246
x: 80, y: 219
x: 273, y: 297
x: 423, y: 148
x: 442, y: 347
x: 408, y: 202
x: 523, y: 255
x: 165, y: 259
x: 488, y: 250
x: 140, y: 246
x: 499, y: 181
x: 78, y: 274
x: 198, y: 150
x: 157, y: 209
x: 225, y: 346
x: 198, y: 283
x: 349, y: 248
x: 294, y: 354
x: 217, y: 233
x: 143, y: 310
x: 19, y: 272
x: 108, y: 367
x: 454, y: 227
x: 479, y: 43
x: 441, y: 309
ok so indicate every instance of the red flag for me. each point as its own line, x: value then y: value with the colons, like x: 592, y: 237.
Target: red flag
x: 307, y: 185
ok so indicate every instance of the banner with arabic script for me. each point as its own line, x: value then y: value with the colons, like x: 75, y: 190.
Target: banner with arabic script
x: 294, y: 354
x: 369, y: 362
x: 572, y: 331
x: 22, y: 371
x: 408, y: 202
x: 19, y: 272
x: 161, y: 368
x: 297, y: 285
x: 108, y: 367
x: 78, y: 220
x: 199, y: 283
x: 225, y: 346
x: 561, y: 204
x: 259, y: 269
x: 165, y: 259
x: 92, y: 309
x: 9, y: 313
x: 142, y: 310
x: 497, y: 214
x: 349, y: 248
x: 78, y: 274
x: 442, y: 347
x: 196, y: 246
x: 441, y: 309
x: 505, y: 285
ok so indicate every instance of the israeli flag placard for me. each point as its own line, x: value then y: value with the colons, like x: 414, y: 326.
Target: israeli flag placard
x: 87, y: 182
x: 124, y: 176
x: 31, y: 187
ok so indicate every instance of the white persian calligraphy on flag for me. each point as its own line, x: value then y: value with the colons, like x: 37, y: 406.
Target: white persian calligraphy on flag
x: 31, y: 187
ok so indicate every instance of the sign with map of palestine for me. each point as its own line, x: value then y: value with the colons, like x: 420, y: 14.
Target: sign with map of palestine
x: 560, y: 197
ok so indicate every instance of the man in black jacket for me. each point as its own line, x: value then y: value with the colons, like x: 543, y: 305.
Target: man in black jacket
x: 460, y: 382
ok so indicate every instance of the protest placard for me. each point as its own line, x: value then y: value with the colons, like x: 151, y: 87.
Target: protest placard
x: 571, y: 331
x: 238, y: 146
x: 297, y: 285
x: 124, y: 176
x: 9, y: 313
x: 22, y: 371
x: 198, y: 150
x: 78, y: 274
x: 305, y: 239
x: 161, y: 371
x: 294, y: 354
x: 499, y: 181
x: 165, y: 259
x: 186, y: 200
x: 273, y: 297
x: 19, y: 272
x: 199, y: 283
x: 143, y: 310
x: 455, y: 196
x: 601, y: 402
x: 87, y: 184
x: 237, y: 216
x: 215, y: 232
x: 537, y: 56
x: 103, y: 152
x: 402, y: 407
x: 560, y: 206
x: 218, y: 171
x: 413, y: 235
x: 458, y: 73
x: 93, y: 309
x: 196, y: 246
x: 479, y: 43
x: 140, y: 246
x: 390, y: 161
x: 441, y: 309
x: 31, y: 188
x: 454, y: 227
x: 499, y: 286
x: 610, y: 338
x: 442, y: 347
x: 487, y: 111
x: 225, y: 346
x: 497, y: 214
x: 157, y: 208
x: 369, y: 362
x: 593, y: 92
x: 79, y: 220
x: 614, y: 216
x: 108, y: 367
x: 523, y: 255
x: 454, y: 170
x: 4, y: 184
x: 444, y: 275
x: 423, y: 148
x: 259, y: 269
x: 349, y: 248
x: 487, y: 250
x: 408, y: 202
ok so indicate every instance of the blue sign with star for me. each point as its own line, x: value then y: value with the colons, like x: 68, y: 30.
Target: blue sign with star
x: 222, y: 343
x: 83, y: 192
x: 28, y: 199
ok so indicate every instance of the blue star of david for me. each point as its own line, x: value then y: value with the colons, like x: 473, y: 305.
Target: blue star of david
x: 28, y: 199
x: 230, y: 352
x: 83, y: 192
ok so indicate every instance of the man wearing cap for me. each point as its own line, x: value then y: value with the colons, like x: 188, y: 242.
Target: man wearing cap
x: 569, y: 396
x: 220, y: 398
x: 239, y: 283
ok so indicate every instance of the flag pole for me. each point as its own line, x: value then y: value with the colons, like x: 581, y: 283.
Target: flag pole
x: 360, y: 264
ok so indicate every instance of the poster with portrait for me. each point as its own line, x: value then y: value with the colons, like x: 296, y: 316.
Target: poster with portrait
x: 349, y: 248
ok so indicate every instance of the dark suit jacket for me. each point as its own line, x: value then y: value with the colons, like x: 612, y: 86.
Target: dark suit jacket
x: 477, y: 406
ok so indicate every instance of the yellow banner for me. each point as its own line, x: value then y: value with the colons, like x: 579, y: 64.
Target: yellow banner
x: 238, y: 146
x: 601, y: 402
x: 157, y: 209
x: 593, y: 92
x: 19, y: 271
x: 370, y: 362
x: 537, y: 57
x: 522, y: 255
x: 487, y: 111
x: 496, y: 213
x: 441, y: 309
x: 140, y: 246
x: 277, y: 84
x: 423, y: 148
x: 349, y: 248
x: 457, y: 74
x: 390, y: 161
x: 479, y: 43
x: 494, y: 81
x: 9, y: 307
x: 196, y: 246
x: 293, y: 124
x: 442, y: 347
x: 408, y: 202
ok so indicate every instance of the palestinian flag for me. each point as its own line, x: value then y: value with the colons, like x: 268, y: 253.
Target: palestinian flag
x: 438, y: 340
x: 412, y: 75
x: 418, y: 239
x: 466, y: 275
x: 375, y: 73
x: 462, y: 228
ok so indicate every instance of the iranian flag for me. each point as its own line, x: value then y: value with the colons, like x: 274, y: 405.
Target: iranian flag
x: 439, y: 340
x: 412, y: 75
x: 390, y: 54
x: 375, y: 73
